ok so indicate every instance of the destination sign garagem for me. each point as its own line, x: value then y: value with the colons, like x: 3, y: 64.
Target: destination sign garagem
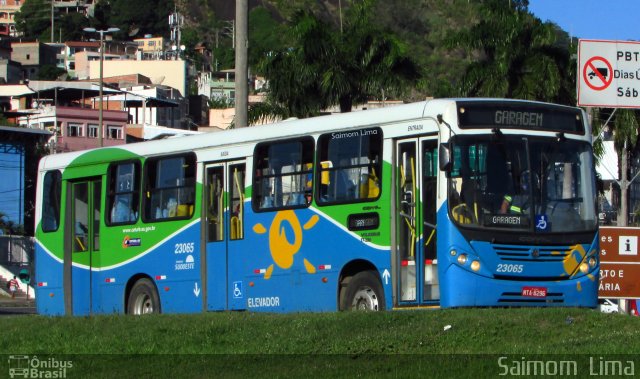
x: 508, y: 115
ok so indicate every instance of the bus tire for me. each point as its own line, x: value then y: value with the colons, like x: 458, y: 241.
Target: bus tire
x: 143, y: 298
x: 363, y: 293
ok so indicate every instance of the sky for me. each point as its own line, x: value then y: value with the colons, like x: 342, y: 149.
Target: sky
x: 592, y: 19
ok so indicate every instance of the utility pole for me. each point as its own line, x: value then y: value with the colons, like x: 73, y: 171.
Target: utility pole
x: 52, y: 9
x: 242, y: 66
x: 340, y: 10
x: 623, y: 217
x: 100, y: 104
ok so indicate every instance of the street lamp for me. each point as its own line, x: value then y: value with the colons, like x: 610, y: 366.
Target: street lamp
x: 102, y: 33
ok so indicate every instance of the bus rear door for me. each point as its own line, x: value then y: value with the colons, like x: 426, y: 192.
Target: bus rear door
x: 415, y: 221
x: 82, y: 244
x: 223, y: 231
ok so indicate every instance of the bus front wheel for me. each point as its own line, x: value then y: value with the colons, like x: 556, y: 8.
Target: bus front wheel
x: 143, y: 298
x: 363, y: 293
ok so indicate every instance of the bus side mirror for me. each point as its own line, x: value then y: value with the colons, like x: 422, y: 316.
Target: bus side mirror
x: 444, y: 157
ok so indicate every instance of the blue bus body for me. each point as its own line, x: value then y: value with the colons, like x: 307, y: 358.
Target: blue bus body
x: 374, y: 210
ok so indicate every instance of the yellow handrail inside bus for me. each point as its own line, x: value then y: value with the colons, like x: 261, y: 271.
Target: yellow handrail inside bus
x: 433, y: 232
x: 412, y: 244
x: 79, y: 241
x: 414, y: 192
x: 236, y: 228
x: 238, y: 223
x: 220, y: 212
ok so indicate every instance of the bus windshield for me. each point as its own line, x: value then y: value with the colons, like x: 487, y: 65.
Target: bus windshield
x: 534, y: 184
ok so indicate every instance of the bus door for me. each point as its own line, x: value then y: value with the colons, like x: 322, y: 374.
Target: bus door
x: 82, y: 244
x: 223, y: 230
x: 415, y: 221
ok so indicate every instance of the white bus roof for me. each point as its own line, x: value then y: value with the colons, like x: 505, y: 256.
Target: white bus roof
x: 292, y: 128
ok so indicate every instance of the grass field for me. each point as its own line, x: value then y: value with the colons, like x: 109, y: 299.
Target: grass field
x: 387, y: 344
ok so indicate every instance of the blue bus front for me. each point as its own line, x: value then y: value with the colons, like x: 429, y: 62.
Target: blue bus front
x: 520, y: 224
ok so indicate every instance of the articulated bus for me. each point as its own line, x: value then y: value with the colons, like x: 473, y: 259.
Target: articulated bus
x: 442, y: 203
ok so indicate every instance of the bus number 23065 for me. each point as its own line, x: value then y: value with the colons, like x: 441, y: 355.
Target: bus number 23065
x: 184, y: 248
x: 502, y: 267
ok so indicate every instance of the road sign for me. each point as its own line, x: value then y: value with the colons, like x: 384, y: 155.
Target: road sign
x: 609, y: 74
x: 597, y: 73
x: 619, y: 262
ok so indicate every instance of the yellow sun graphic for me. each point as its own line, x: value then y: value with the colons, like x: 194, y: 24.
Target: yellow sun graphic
x: 573, y: 260
x: 282, y: 251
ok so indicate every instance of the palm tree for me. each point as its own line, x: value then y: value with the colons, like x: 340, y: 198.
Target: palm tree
x: 294, y: 74
x: 366, y: 63
x: 520, y: 57
x: 326, y: 67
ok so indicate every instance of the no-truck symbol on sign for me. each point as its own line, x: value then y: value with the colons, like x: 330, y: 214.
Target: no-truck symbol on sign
x: 597, y: 73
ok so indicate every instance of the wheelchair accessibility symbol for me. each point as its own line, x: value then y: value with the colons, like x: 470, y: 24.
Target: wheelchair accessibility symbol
x: 542, y: 222
x: 237, y: 290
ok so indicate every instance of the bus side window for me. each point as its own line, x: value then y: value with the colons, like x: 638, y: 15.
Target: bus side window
x: 350, y: 166
x: 124, y: 192
x: 170, y: 187
x: 236, y: 201
x: 51, y: 191
x: 283, y: 174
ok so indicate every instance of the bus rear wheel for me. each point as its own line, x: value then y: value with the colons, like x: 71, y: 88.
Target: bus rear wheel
x: 363, y: 293
x: 143, y: 298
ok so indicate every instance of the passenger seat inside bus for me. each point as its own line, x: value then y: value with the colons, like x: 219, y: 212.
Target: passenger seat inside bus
x: 468, y: 196
x: 369, y: 185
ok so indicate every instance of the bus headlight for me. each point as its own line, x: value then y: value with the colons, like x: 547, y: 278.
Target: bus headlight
x: 592, y: 262
x: 475, y: 265
x: 462, y: 259
x: 453, y: 253
x: 584, y: 267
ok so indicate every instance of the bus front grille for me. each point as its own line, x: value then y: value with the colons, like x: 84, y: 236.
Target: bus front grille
x: 508, y: 253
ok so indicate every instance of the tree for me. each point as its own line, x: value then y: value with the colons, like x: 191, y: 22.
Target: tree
x: 519, y: 56
x: 33, y: 20
x: 71, y: 26
x: 9, y: 227
x: 325, y: 66
x: 50, y: 72
x: 294, y: 74
x: 368, y: 62
x: 265, y: 35
x: 623, y: 125
x: 625, y: 135
x: 134, y: 17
